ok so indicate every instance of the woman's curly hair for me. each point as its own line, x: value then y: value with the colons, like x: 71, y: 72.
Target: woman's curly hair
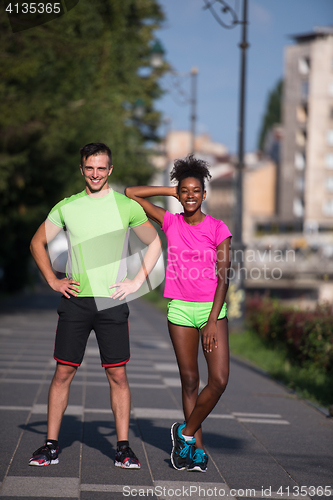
x: 190, y: 167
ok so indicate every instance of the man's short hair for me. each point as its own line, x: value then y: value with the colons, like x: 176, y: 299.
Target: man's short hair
x: 93, y: 149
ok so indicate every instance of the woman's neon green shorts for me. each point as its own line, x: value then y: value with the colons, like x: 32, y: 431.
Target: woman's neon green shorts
x: 193, y: 314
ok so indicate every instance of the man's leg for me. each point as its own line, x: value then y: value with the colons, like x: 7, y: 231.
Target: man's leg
x: 121, y: 407
x: 58, y: 398
x: 111, y: 328
x: 120, y: 399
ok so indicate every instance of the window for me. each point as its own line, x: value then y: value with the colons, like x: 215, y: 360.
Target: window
x: 298, y: 208
x: 305, y: 89
x: 300, y: 138
x: 330, y: 137
x: 302, y: 113
x: 304, y: 65
x: 329, y: 161
x: 299, y: 184
x: 299, y: 161
x: 328, y: 208
x: 329, y: 184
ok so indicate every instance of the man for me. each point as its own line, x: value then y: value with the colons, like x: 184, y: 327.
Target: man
x: 96, y: 223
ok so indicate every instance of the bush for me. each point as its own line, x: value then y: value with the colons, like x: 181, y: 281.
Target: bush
x: 306, y: 336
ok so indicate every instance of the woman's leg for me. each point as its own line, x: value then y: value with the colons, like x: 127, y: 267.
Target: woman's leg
x: 185, y: 342
x: 218, y: 373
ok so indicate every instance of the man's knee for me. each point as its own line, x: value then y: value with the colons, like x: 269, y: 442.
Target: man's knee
x: 64, y: 374
x: 117, y: 375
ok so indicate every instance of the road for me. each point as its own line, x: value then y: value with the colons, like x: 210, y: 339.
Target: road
x: 262, y: 441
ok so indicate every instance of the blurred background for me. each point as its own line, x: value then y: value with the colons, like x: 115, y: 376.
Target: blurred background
x: 245, y: 84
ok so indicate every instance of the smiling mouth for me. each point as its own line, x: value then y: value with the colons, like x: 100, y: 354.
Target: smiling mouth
x: 190, y: 202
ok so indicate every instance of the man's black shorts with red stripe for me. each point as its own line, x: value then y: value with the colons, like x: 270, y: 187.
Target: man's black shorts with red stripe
x: 78, y: 316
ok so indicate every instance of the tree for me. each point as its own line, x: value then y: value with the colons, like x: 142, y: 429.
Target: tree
x: 71, y: 81
x: 272, y: 114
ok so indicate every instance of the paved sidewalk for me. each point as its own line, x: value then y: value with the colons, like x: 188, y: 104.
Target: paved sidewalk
x: 262, y: 441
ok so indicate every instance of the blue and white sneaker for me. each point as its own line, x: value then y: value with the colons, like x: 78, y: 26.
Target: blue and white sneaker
x: 181, y: 452
x: 199, y: 461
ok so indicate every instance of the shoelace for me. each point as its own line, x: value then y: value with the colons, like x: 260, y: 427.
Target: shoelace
x: 46, y: 449
x: 187, y: 447
x: 128, y: 452
x: 199, y: 456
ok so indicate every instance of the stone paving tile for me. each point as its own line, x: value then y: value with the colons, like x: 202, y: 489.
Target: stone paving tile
x: 247, y: 443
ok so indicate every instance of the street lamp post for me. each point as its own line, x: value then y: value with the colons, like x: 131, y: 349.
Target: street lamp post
x: 194, y: 75
x: 237, y: 243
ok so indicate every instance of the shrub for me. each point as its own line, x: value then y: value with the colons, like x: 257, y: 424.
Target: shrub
x: 306, y: 336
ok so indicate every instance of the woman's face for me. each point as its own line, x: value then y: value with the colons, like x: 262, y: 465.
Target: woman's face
x: 191, y: 194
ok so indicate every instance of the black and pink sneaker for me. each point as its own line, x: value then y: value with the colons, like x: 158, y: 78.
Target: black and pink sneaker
x: 126, y: 458
x: 45, y: 455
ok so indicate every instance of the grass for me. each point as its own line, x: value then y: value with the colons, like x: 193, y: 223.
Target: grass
x: 307, y: 382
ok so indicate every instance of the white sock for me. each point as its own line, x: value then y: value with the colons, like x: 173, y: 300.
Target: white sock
x: 187, y: 438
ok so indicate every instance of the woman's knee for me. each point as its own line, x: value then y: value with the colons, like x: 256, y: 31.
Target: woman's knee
x: 190, y: 381
x: 218, y: 383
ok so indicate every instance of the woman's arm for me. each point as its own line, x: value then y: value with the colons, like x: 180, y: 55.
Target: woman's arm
x: 209, y: 339
x: 140, y: 193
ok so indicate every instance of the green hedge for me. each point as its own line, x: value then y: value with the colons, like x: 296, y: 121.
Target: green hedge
x: 306, y: 336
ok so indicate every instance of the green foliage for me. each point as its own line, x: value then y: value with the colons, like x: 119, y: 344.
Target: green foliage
x: 71, y: 81
x: 308, y: 381
x: 306, y: 336
x: 272, y: 114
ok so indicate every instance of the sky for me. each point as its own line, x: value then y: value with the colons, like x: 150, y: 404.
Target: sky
x: 192, y: 37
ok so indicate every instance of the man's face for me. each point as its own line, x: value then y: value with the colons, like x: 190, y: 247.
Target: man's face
x: 96, y: 170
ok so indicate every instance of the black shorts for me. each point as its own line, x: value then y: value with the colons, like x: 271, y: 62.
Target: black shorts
x: 77, y: 317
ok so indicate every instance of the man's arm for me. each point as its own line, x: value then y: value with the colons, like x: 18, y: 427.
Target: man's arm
x: 44, y: 235
x: 148, y: 235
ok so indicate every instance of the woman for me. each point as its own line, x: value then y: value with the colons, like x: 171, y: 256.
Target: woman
x: 196, y: 282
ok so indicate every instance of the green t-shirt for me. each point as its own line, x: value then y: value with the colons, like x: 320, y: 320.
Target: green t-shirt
x: 97, y: 234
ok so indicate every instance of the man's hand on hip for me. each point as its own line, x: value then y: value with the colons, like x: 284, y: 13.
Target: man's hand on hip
x: 66, y: 287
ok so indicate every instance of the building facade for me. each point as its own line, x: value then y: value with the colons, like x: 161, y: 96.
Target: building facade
x: 306, y: 172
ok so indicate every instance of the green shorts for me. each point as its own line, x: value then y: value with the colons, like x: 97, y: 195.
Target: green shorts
x: 193, y: 314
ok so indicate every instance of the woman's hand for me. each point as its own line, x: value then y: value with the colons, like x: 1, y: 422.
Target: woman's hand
x: 209, y: 337
x: 65, y: 286
x: 124, y: 288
